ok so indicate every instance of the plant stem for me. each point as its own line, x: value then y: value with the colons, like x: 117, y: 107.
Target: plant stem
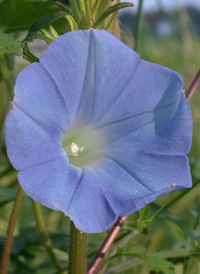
x: 75, y: 10
x: 193, y: 87
x: 88, y: 18
x: 10, y: 230
x: 45, y: 239
x: 53, y: 31
x: 81, y: 4
x: 77, y: 251
x: 137, y: 25
x: 71, y: 22
x: 95, y: 8
x: 106, y: 245
x: 183, y: 193
x: 27, y: 55
x: 2, y: 111
x: 111, y: 20
x: 6, y: 75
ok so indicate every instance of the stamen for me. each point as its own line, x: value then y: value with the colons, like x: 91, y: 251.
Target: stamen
x: 74, y: 149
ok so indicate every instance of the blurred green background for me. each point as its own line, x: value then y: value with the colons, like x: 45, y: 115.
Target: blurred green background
x: 167, y: 37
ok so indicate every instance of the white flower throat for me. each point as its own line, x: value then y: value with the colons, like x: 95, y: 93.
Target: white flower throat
x: 84, y: 145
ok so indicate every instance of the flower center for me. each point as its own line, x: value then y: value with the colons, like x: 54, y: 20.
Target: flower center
x: 84, y: 145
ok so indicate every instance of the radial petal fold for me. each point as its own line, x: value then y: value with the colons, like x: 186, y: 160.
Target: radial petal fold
x: 28, y: 144
x: 37, y: 95
x: 51, y: 183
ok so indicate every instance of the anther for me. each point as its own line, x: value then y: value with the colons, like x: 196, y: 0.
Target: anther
x: 74, y: 149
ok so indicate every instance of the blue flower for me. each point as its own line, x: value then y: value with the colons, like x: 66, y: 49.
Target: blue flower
x: 95, y: 132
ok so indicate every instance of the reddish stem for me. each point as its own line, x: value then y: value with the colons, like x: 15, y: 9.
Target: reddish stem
x: 193, y: 87
x: 106, y: 245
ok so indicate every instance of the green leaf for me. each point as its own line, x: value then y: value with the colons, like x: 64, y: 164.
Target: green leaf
x: 111, y: 10
x: 40, y: 24
x: 130, y: 252
x: 33, y: 35
x: 19, y: 15
x: 158, y: 263
x: 144, y: 212
x: 135, y: 249
x: 10, y: 45
x: 120, y: 251
x: 46, y: 21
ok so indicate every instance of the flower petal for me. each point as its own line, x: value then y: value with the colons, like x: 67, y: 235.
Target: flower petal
x: 89, y: 209
x: 51, y: 183
x: 27, y: 143
x: 92, y: 81
x: 166, y: 131
x: 37, y: 95
x: 152, y: 176
x: 125, y: 192
x: 65, y: 60
x: 151, y: 86
x: 110, y: 67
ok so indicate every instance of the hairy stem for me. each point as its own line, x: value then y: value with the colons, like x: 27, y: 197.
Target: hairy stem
x: 77, y: 251
x: 6, y: 75
x: 10, y: 230
x: 45, y: 239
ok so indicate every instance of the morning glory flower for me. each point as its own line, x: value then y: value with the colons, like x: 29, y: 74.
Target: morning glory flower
x: 96, y: 133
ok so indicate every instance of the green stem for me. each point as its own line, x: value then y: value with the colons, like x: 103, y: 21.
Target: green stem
x: 6, y: 75
x: 88, y: 18
x: 111, y: 20
x: 182, y: 194
x: 45, y: 239
x: 81, y: 4
x: 2, y: 110
x: 10, y: 231
x: 71, y: 22
x: 47, y: 34
x: 95, y: 8
x: 53, y: 31
x: 27, y: 55
x: 77, y: 251
x: 137, y: 25
x: 75, y: 10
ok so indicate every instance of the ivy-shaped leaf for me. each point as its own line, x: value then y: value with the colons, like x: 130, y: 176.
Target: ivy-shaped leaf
x: 10, y: 45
